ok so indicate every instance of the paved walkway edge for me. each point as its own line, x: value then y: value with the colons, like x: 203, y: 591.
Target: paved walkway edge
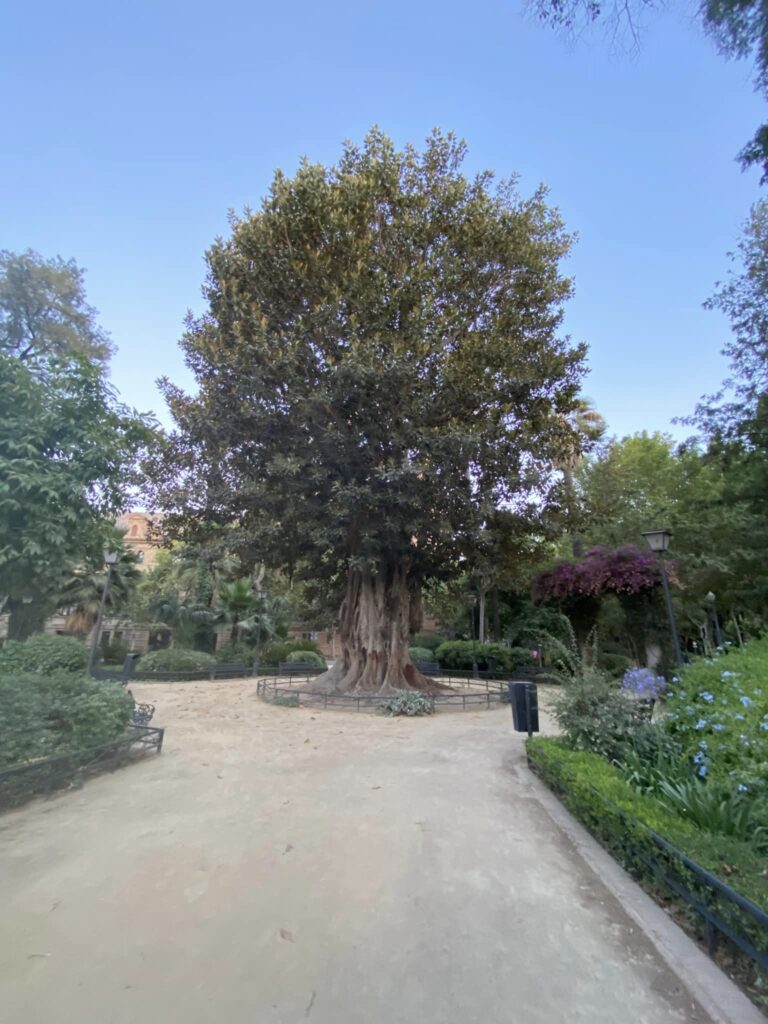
x: 715, y: 992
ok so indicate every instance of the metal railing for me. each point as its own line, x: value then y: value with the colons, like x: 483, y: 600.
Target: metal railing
x: 649, y: 857
x: 21, y: 782
x: 288, y: 692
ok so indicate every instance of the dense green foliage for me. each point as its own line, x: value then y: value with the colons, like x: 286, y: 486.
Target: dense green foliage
x: 174, y: 659
x: 598, y: 794
x: 58, y: 713
x: 44, y: 313
x: 306, y: 658
x: 423, y: 654
x: 718, y: 712
x: 459, y: 654
x: 274, y: 654
x: 408, y: 703
x: 42, y: 654
x: 238, y: 651
x: 67, y: 448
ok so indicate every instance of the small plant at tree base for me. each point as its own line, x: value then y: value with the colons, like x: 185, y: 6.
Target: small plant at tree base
x: 409, y: 702
x: 717, y: 808
x: 287, y: 700
x: 595, y: 714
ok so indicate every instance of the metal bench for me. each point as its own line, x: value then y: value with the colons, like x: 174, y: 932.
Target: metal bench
x: 427, y: 668
x: 230, y: 669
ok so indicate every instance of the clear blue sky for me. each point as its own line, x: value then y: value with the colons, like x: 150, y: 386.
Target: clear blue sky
x: 129, y: 130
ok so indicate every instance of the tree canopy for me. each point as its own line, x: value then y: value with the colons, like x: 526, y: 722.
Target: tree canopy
x: 379, y: 369
x: 43, y: 310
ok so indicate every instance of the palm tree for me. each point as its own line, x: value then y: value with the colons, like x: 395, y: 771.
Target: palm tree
x: 584, y: 426
x: 80, y: 595
x: 236, y: 602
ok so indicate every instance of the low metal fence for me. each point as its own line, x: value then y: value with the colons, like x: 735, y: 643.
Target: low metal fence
x: 288, y: 692
x: 669, y: 872
x: 21, y: 782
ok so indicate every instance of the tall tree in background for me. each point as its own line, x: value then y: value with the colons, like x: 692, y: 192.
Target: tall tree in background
x: 68, y: 454
x: 379, y: 368
x: 43, y: 310
x: 738, y: 27
x: 587, y: 426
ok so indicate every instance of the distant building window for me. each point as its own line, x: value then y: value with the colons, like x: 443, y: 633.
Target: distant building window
x: 134, y: 531
x: 139, y: 556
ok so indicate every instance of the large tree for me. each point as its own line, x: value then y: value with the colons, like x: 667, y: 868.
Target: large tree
x: 44, y: 312
x: 379, y: 369
x: 68, y: 453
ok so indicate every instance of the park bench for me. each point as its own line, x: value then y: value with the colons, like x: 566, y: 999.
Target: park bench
x: 230, y: 669
x: 427, y: 668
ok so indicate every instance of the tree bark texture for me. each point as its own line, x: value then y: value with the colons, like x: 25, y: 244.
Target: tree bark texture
x: 376, y: 615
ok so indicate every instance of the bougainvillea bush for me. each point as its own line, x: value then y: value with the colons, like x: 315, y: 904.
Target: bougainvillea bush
x: 718, y: 711
x: 626, y: 570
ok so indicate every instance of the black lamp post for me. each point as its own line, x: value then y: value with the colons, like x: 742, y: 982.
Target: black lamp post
x: 471, y: 600
x: 658, y: 542
x: 110, y: 558
x: 712, y: 607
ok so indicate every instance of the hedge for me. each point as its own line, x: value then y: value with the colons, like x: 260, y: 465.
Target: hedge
x: 175, y: 659
x: 43, y: 654
x: 597, y: 794
x: 58, y: 713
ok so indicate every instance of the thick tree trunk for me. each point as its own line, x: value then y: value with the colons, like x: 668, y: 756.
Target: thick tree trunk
x: 25, y: 618
x: 375, y: 621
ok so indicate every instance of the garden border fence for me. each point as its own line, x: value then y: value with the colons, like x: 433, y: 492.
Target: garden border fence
x: 288, y: 693
x: 21, y: 782
x: 649, y: 857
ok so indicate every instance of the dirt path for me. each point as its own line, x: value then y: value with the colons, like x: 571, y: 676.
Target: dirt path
x: 280, y: 865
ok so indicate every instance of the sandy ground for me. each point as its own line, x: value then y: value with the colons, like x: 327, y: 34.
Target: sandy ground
x: 283, y: 865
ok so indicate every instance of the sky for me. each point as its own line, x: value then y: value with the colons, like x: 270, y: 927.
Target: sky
x: 130, y: 130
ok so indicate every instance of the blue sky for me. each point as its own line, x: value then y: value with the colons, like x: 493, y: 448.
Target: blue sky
x: 130, y: 130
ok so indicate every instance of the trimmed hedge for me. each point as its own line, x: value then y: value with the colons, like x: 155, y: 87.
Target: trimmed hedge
x: 58, y: 713
x: 307, y: 658
x: 598, y: 795
x: 278, y: 652
x: 43, y: 654
x: 424, y: 654
x: 458, y: 654
x: 175, y: 659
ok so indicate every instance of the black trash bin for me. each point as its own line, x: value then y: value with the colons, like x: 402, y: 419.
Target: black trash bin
x: 525, y: 707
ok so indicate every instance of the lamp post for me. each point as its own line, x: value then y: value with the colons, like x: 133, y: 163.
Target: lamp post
x: 110, y: 558
x: 658, y: 542
x: 471, y: 600
x: 712, y: 608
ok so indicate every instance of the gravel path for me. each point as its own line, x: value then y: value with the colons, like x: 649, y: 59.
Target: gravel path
x: 283, y: 865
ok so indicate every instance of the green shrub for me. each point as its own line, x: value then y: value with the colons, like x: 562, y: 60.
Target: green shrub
x: 520, y: 657
x: 58, y: 713
x: 595, y: 714
x: 237, y: 651
x: 409, y: 702
x: 42, y: 654
x: 175, y: 659
x: 307, y: 658
x: 429, y: 641
x: 718, y: 711
x: 278, y: 652
x: 716, y: 807
x: 598, y: 795
x: 614, y: 664
x: 421, y: 654
x: 458, y: 654
x: 114, y: 653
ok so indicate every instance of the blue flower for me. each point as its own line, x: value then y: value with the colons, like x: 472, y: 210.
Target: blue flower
x: 707, y: 696
x: 701, y: 724
x: 718, y: 727
x: 703, y: 745
x: 746, y: 702
x: 726, y: 675
x: 675, y: 679
x: 742, y: 788
x: 764, y: 725
x: 702, y: 770
x: 699, y: 758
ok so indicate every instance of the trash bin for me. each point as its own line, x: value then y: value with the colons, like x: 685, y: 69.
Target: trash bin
x: 129, y: 666
x: 525, y: 707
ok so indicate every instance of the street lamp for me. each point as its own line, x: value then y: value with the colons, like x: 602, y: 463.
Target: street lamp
x: 712, y: 608
x: 658, y: 542
x: 471, y: 600
x: 110, y: 558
